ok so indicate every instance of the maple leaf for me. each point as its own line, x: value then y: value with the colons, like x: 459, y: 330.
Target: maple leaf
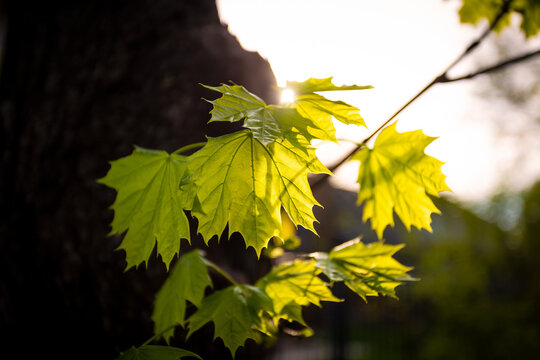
x: 186, y: 282
x: 148, y: 204
x: 242, y: 183
x: 297, y: 282
x: 312, y: 85
x: 156, y: 352
x: 237, y: 313
x: 234, y: 104
x: 396, y: 175
x: 320, y: 109
x: 292, y: 312
x: 267, y: 122
x: 368, y: 270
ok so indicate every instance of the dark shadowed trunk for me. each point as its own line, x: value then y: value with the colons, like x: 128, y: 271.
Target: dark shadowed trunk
x: 81, y: 83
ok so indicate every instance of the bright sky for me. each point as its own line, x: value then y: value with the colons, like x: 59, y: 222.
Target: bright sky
x: 398, y: 47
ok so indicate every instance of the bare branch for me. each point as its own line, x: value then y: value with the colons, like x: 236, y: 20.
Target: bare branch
x: 439, y: 79
x: 496, y: 67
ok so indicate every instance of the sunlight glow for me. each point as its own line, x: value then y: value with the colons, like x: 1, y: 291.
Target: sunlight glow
x: 287, y: 96
x: 398, y: 57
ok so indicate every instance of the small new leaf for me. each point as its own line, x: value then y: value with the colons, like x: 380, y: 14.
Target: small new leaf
x: 320, y: 109
x: 243, y: 183
x: 234, y: 104
x: 396, y: 175
x: 297, y: 282
x: 312, y: 85
x: 186, y: 282
x: 156, y: 352
x: 267, y: 122
x: 148, y: 204
x: 368, y: 270
x: 238, y: 313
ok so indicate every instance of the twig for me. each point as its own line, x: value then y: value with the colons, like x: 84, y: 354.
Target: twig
x: 496, y: 67
x: 439, y: 79
x: 189, y: 147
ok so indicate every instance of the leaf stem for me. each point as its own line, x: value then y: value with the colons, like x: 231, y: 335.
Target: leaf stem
x: 158, y: 335
x: 189, y: 147
x: 220, y: 271
x: 439, y: 79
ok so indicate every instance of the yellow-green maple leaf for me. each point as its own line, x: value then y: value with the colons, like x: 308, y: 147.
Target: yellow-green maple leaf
x: 149, y: 204
x: 296, y: 282
x: 267, y: 122
x: 237, y: 313
x: 187, y: 281
x: 243, y: 183
x: 320, y: 110
x: 368, y: 270
x: 396, y: 175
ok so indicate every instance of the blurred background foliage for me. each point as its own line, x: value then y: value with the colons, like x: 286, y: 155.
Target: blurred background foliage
x: 477, y: 296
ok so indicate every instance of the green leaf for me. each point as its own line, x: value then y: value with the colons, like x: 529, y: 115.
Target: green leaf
x: 473, y: 11
x: 320, y: 109
x: 186, y: 282
x: 396, y: 175
x: 234, y: 104
x: 148, y: 204
x: 292, y: 312
x: 237, y: 313
x: 267, y: 122
x: 243, y: 183
x: 298, y: 283
x: 156, y: 352
x: 312, y: 85
x: 368, y: 270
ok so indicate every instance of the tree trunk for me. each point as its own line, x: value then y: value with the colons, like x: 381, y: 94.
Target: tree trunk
x: 82, y: 82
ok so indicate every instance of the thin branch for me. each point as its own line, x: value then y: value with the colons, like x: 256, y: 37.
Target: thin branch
x: 504, y: 10
x: 439, y: 79
x: 189, y: 147
x: 496, y: 67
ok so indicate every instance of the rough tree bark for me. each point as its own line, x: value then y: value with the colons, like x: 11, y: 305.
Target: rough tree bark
x: 81, y: 83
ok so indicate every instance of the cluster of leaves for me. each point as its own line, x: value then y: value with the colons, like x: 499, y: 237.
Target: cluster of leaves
x: 473, y: 11
x: 254, y: 181
x: 244, y: 179
x: 241, y: 312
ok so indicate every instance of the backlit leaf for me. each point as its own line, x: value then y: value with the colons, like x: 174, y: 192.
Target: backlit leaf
x: 148, y: 204
x: 242, y: 183
x: 234, y: 104
x: 186, y: 282
x: 396, y: 175
x: 297, y: 282
x: 320, y: 109
x: 312, y: 85
x: 368, y: 270
x: 237, y: 313
x: 267, y: 122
